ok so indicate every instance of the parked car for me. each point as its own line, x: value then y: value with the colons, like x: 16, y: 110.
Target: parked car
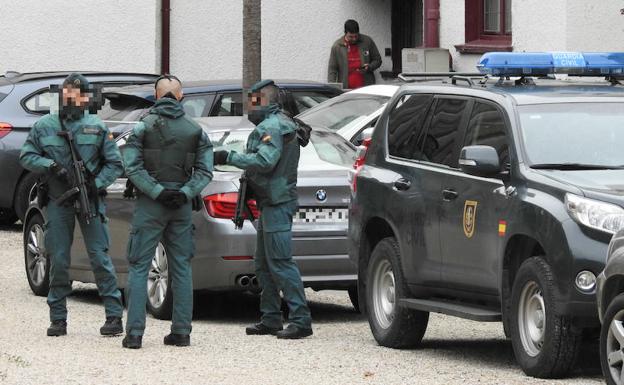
x: 24, y: 98
x: 352, y: 115
x: 210, y: 98
x: 493, y: 202
x: 224, y: 256
x: 610, y: 299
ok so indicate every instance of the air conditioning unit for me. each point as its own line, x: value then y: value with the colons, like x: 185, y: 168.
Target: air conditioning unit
x: 422, y: 60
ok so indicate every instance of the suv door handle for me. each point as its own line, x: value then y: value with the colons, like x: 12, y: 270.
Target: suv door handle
x: 402, y: 184
x: 448, y: 195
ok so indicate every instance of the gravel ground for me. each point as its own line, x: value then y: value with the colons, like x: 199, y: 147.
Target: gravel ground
x: 342, y: 350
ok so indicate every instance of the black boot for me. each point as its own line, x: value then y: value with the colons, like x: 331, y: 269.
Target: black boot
x: 57, y: 328
x: 177, y: 339
x: 261, y: 329
x: 132, y: 342
x: 293, y: 332
x: 112, y: 326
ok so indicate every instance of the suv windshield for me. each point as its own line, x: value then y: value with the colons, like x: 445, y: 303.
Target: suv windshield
x: 341, y: 110
x: 325, y: 146
x: 573, y: 136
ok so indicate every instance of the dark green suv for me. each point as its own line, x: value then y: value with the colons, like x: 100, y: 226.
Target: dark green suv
x: 491, y: 200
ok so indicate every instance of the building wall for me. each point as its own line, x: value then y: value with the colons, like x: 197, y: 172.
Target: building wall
x: 206, y: 41
x: 111, y: 35
x: 538, y: 25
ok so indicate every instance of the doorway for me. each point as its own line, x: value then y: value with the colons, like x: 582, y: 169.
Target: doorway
x: 407, y: 29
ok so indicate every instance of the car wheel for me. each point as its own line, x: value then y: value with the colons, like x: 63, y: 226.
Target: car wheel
x: 392, y: 326
x: 545, y: 343
x: 353, y: 296
x: 36, y: 260
x: 7, y: 217
x: 22, y: 194
x: 159, y: 296
x: 612, y: 341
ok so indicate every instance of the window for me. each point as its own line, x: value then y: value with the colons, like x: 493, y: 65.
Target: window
x: 228, y: 105
x: 487, y: 127
x: 406, y: 126
x: 305, y: 100
x: 40, y: 102
x: 342, y: 110
x: 440, y: 143
x: 487, y: 26
x: 194, y: 106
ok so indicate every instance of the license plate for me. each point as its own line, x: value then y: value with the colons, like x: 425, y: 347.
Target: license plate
x: 321, y: 215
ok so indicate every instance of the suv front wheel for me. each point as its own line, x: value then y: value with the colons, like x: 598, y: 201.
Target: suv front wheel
x: 392, y: 326
x: 545, y: 343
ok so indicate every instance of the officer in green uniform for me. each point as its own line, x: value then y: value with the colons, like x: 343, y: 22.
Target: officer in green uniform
x: 168, y: 158
x: 270, y: 161
x: 48, y: 153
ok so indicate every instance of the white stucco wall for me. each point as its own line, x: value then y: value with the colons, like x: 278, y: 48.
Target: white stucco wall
x: 112, y: 35
x: 538, y: 25
x: 594, y: 25
x: 206, y: 41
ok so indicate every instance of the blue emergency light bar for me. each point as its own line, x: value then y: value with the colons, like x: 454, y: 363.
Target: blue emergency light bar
x: 546, y: 63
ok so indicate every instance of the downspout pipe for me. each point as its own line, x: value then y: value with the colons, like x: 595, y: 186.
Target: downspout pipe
x: 165, y: 33
x: 432, y: 23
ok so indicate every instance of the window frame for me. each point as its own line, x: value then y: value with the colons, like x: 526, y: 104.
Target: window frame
x: 477, y: 39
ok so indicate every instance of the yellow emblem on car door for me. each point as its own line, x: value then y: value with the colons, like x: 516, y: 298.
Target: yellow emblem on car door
x: 470, y: 217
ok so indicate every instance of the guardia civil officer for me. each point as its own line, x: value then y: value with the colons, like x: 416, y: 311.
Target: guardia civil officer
x: 168, y: 158
x: 48, y: 153
x: 270, y: 160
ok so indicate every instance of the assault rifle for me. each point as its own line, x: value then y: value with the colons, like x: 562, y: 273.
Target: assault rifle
x: 242, y: 206
x: 78, y: 178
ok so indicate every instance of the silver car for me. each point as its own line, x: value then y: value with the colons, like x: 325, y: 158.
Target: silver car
x: 224, y: 256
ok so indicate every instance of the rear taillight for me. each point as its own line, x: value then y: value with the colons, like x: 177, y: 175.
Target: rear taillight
x: 5, y: 129
x: 224, y: 205
x: 359, y: 162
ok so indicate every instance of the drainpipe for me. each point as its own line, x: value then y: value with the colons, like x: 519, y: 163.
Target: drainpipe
x: 432, y: 23
x: 165, y: 14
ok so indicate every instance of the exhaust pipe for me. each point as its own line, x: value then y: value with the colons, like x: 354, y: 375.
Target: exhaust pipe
x: 254, y: 282
x: 243, y: 281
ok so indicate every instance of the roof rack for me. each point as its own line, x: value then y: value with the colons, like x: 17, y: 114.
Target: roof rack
x: 405, y: 76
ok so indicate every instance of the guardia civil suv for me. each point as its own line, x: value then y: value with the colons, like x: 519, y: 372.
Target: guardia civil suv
x: 493, y: 199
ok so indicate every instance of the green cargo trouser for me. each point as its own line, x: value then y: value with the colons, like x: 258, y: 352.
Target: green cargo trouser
x: 59, y: 236
x: 276, y: 269
x: 152, y: 222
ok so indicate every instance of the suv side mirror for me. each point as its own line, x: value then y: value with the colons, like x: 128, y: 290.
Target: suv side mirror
x: 479, y: 161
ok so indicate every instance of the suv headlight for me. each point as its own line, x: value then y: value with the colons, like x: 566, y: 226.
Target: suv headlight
x: 595, y: 214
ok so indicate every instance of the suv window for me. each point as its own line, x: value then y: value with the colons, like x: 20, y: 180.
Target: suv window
x: 406, y: 126
x: 487, y: 127
x: 194, y: 106
x: 440, y: 143
x: 228, y: 105
x: 40, y: 102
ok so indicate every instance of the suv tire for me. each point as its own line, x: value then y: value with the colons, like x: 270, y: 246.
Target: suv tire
x: 392, y: 325
x: 545, y: 344
x: 611, y: 334
x: 36, y: 259
x: 22, y: 194
x: 7, y: 217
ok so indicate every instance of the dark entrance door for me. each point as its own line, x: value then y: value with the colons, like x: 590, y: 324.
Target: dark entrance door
x: 407, y: 29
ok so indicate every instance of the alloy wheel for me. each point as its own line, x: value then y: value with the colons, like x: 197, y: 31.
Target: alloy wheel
x: 157, y: 282
x: 36, y: 255
x: 615, y: 348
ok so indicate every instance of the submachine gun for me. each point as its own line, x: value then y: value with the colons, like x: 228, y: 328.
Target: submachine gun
x: 242, y: 210
x: 78, y: 179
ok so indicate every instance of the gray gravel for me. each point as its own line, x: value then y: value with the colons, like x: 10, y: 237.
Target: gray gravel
x: 342, y: 350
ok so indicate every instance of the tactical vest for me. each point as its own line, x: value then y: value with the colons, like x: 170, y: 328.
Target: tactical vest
x: 169, y: 147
